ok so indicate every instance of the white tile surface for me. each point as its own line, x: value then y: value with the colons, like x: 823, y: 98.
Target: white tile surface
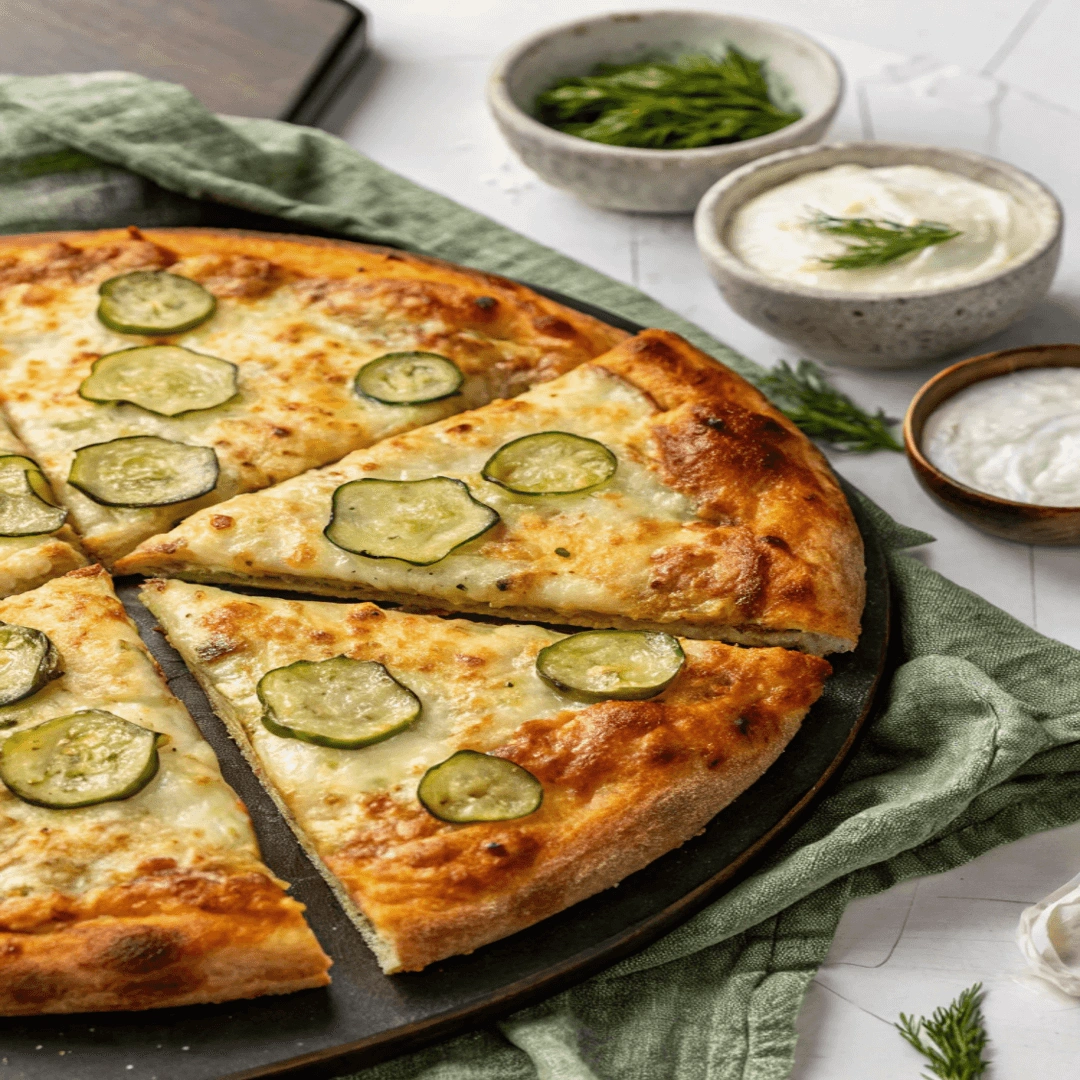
x: 999, y: 76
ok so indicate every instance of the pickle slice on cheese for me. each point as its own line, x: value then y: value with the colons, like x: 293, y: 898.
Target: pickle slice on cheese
x: 143, y: 470
x: 88, y: 757
x: 470, y: 786
x: 605, y: 665
x: 416, y: 521
x: 164, y: 379
x: 551, y: 463
x: 153, y: 302
x: 409, y: 378
x: 28, y: 660
x: 341, y: 702
x: 26, y: 506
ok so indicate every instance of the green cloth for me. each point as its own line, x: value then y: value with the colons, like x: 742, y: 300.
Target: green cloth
x: 978, y: 741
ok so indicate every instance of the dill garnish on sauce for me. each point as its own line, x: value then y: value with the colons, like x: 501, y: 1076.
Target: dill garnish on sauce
x: 877, y: 242
x: 695, y: 100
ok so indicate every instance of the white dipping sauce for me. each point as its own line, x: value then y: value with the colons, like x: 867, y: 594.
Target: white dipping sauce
x: 1016, y: 436
x: 772, y: 233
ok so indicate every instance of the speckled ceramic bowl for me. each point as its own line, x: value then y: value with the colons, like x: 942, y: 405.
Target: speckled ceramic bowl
x: 661, y: 181
x: 879, y: 330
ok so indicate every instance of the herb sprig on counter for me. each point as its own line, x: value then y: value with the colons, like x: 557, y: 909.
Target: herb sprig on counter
x: 955, y: 1037
x: 878, y: 242
x: 693, y: 101
x: 804, y: 396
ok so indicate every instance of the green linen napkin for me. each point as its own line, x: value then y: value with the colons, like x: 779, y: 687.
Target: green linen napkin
x: 977, y: 744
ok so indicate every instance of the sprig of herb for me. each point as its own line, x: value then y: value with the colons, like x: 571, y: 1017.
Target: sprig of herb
x: 955, y: 1037
x: 879, y: 241
x: 693, y: 101
x: 805, y: 397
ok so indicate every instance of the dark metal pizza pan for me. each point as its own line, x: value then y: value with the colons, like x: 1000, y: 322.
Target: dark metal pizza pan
x: 365, y: 1016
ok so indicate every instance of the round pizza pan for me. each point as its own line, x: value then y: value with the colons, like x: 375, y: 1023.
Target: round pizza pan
x: 365, y: 1016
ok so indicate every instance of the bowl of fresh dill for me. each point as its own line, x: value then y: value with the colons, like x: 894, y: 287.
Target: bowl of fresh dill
x: 880, y: 255
x: 646, y: 110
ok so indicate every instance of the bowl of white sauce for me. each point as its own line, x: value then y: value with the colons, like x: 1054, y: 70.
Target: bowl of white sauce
x: 880, y: 255
x: 996, y: 439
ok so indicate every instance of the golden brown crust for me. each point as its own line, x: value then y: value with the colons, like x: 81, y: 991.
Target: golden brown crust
x: 167, y: 938
x: 722, y: 443
x: 623, y: 781
x: 155, y: 900
x: 298, y: 316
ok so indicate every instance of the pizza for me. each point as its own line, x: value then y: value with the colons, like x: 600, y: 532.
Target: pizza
x: 650, y: 488
x: 150, y: 374
x: 36, y: 543
x: 458, y: 781
x: 129, y: 874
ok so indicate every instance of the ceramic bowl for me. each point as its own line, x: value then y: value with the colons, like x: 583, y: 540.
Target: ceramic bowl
x: 879, y: 330
x: 1025, y: 522
x: 661, y: 181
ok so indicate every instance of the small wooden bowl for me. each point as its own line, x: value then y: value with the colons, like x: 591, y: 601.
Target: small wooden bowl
x: 1023, y: 522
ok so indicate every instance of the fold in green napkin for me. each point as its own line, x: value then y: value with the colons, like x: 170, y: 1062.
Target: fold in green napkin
x: 977, y: 744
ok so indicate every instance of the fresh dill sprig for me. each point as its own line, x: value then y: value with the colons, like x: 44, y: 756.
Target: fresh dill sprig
x: 804, y: 396
x: 878, y: 241
x: 955, y: 1037
x: 693, y: 101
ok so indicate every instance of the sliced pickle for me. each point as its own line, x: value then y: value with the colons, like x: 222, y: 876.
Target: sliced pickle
x: 409, y: 378
x: 153, y: 302
x: 88, y: 757
x: 143, y: 470
x: 417, y: 521
x: 605, y: 665
x: 26, y: 506
x: 162, y: 379
x: 28, y: 660
x: 470, y: 786
x: 342, y: 703
x: 551, y: 463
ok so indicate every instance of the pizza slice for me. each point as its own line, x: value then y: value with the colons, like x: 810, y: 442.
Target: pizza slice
x: 36, y: 544
x: 151, y: 374
x: 651, y: 488
x: 129, y: 874
x: 458, y: 781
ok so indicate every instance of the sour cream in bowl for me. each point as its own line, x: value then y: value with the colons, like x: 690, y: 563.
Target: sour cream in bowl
x: 996, y: 440
x: 779, y: 235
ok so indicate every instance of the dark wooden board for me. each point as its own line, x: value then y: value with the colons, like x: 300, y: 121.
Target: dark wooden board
x: 279, y: 59
x: 365, y: 1016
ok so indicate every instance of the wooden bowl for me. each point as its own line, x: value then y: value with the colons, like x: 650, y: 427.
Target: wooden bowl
x: 1023, y: 522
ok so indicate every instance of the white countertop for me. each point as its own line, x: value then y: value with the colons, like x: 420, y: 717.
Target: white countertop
x: 996, y: 76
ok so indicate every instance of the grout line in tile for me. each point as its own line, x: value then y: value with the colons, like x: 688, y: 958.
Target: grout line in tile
x: 866, y: 121
x: 1014, y: 36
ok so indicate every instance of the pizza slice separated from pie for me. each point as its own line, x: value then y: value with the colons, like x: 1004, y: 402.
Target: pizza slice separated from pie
x: 130, y: 877
x: 651, y: 488
x: 458, y: 781
x: 36, y: 543
x: 153, y: 374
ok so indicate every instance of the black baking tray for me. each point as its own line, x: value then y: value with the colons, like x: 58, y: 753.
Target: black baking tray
x: 365, y: 1017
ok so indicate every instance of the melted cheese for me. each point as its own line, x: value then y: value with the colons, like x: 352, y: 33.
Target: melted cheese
x: 279, y: 532
x: 298, y: 348
x: 187, y: 813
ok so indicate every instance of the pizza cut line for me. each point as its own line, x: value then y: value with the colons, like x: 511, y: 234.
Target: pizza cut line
x: 650, y: 488
x: 36, y: 543
x: 130, y: 877
x: 503, y: 772
x: 153, y: 373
